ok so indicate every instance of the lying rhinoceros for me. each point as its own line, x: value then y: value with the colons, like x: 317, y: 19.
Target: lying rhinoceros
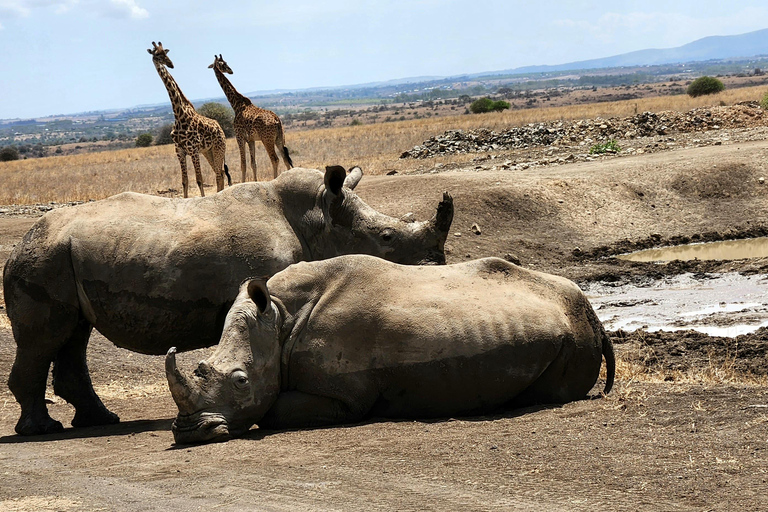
x: 351, y: 337
x: 150, y: 272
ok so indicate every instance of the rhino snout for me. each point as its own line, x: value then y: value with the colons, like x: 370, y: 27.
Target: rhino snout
x: 200, y: 428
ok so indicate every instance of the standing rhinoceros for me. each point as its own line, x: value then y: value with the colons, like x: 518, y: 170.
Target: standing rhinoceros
x: 351, y: 337
x: 150, y: 272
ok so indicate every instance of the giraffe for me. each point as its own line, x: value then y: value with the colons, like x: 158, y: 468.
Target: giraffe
x: 252, y: 124
x: 192, y: 133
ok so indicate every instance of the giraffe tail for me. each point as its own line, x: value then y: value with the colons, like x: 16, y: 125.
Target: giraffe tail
x: 287, y: 156
x: 229, y: 178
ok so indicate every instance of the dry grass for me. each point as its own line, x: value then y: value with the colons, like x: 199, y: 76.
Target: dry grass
x: 376, y: 148
x: 634, y: 368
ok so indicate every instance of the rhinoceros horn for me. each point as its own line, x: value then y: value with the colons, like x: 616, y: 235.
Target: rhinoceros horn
x: 444, y: 215
x: 182, y: 391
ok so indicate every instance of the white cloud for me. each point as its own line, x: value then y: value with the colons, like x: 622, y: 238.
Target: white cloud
x: 112, y: 8
x: 666, y: 29
x: 14, y: 8
x: 127, y: 8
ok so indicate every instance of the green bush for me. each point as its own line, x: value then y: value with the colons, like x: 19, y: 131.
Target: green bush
x: 764, y: 101
x: 9, y: 153
x: 488, y: 105
x: 606, y: 147
x: 224, y: 115
x: 164, y: 135
x: 705, y: 85
x: 144, y: 140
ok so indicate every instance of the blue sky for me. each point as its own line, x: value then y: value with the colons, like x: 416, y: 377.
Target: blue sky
x: 68, y: 56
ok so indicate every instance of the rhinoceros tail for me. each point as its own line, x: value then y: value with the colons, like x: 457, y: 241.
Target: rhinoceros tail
x: 607, y: 348
x: 610, y: 361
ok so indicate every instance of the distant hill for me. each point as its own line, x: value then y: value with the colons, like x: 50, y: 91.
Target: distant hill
x: 707, y: 48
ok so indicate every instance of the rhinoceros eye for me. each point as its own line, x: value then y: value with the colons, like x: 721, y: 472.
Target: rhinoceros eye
x: 387, y: 235
x: 239, y: 378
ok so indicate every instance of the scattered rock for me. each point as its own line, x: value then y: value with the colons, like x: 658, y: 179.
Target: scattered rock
x: 476, y: 229
x: 591, y: 131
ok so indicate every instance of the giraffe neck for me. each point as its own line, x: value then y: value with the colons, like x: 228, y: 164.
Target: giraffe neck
x: 182, y: 107
x: 237, y: 100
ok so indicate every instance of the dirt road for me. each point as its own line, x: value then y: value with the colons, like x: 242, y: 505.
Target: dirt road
x: 692, y: 442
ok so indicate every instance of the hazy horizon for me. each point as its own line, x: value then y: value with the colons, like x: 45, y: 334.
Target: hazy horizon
x: 68, y: 56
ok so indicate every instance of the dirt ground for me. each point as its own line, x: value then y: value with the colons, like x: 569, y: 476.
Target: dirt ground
x: 685, y: 428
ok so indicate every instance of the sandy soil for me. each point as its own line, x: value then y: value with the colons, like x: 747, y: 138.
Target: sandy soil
x: 686, y: 427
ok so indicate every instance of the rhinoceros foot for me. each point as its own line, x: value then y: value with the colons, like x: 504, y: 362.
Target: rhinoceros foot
x: 29, y: 426
x: 94, y: 417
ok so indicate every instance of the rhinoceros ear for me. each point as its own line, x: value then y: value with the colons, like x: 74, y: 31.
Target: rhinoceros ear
x: 259, y: 294
x: 354, y: 177
x: 334, y: 179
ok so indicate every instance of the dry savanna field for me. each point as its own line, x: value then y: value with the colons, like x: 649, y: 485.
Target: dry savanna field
x: 684, y: 429
x: 375, y: 147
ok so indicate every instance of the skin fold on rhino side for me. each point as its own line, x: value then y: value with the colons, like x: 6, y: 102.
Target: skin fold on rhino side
x: 150, y: 273
x: 353, y: 337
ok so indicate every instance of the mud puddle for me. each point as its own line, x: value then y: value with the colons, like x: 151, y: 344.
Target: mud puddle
x: 715, y: 304
x: 725, y: 250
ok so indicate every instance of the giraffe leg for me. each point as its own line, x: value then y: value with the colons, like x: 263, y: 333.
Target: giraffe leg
x: 218, y: 152
x: 243, y: 166
x: 215, y: 157
x: 272, y: 154
x: 270, y: 147
x: 182, y: 154
x: 252, y: 150
x: 198, y: 172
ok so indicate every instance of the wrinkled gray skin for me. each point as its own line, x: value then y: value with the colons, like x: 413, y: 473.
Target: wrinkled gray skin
x: 352, y: 337
x: 150, y: 273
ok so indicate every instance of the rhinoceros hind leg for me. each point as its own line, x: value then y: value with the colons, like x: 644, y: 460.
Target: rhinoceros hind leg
x: 294, y: 409
x: 27, y: 382
x: 72, y: 382
x: 568, y: 378
x: 38, y: 422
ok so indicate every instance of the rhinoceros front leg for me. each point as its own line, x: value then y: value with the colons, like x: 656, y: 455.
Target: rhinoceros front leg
x: 294, y: 409
x: 72, y: 381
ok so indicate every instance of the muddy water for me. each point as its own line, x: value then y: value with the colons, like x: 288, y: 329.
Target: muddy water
x: 727, y: 250
x: 717, y: 304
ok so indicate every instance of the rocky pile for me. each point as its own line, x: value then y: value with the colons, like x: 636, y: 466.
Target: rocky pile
x: 34, y: 210
x: 598, y: 130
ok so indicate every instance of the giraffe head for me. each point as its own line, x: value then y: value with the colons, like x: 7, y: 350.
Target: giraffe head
x: 220, y: 64
x: 160, y: 54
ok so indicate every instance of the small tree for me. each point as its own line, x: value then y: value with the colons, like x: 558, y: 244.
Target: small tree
x: 9, y: 153
x: 144, y: 140
x: 705, y: 85
x: 764, y: 101
x: 218, y: 112
x: 164, y: 135
x: 488, y: 105
x: 481, y: 106
x: 500, y: 105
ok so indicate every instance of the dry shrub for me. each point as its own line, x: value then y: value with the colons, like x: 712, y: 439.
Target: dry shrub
x: 375, y: 147
x: 639, y: 364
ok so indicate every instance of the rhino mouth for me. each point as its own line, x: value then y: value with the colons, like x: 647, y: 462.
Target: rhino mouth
x: 202, y: 427
x: 433, y: 259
